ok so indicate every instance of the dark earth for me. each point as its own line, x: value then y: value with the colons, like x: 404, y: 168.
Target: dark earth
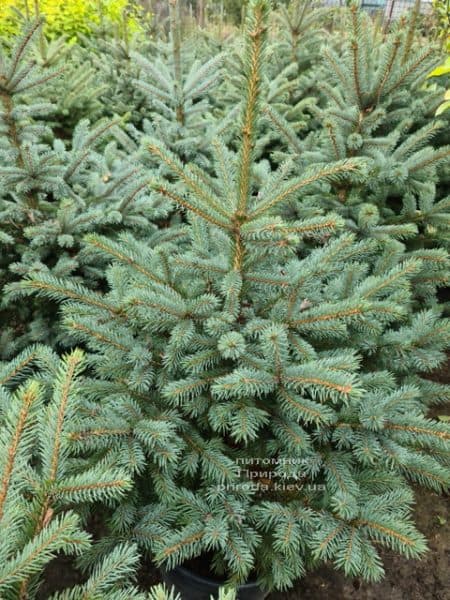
x: 427, y: 579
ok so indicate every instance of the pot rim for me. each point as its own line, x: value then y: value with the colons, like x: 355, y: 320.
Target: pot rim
x: 208, y: 580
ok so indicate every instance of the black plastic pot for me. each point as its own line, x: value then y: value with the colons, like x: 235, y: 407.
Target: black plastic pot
x: 196, y: 587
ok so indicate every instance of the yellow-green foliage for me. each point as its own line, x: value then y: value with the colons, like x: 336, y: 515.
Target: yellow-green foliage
x: 71, y: 17
x: 441, y: 10
x: 442, y: 14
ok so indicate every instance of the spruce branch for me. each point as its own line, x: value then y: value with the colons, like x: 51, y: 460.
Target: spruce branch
x: 17, y: 442
x: 22, y: 365
x: 402, y: 538
x: 255, y: 28
x: 385, y: 69
x: 355, y: 53
x: 59, y: 290
x: 23, y: 46
x: 62, y: 534
x: 336, y: 172
x: 175, y: 30
x: 65, y: 383
x: 111, y: 248
x: 410, y: 67
x: 207, y: 207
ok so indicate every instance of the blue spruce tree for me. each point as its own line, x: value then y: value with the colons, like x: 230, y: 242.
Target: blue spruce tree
x: 264, y: 373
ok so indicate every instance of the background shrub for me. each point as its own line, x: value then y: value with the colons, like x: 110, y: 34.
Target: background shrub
x: 71, y: 17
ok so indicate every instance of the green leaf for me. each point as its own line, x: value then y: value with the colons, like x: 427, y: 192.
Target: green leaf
x: 445, y: 418
x: 443, y: 107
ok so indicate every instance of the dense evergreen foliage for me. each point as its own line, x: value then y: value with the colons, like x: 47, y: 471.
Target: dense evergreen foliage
x: 377, y: 108
x: 54, y: 190
x: 234, y: 250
